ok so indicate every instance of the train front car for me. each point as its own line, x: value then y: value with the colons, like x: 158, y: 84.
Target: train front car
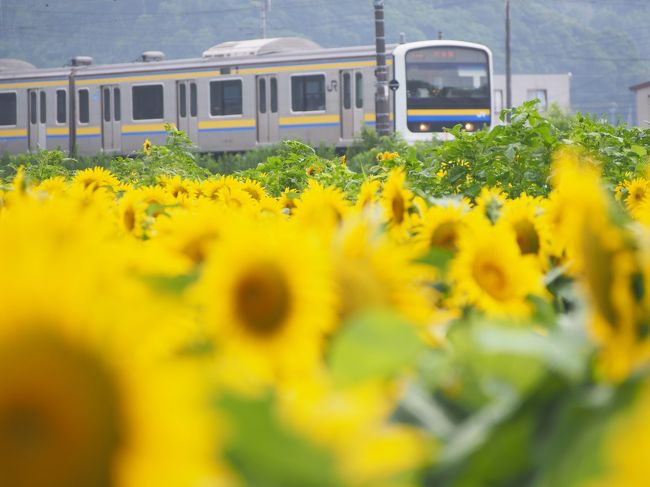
x: 441, y: 84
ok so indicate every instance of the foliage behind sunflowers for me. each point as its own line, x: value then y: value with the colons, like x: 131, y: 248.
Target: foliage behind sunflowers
x: 388, y: 318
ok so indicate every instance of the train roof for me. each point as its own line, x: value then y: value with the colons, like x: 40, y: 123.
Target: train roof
x: 244, y: 53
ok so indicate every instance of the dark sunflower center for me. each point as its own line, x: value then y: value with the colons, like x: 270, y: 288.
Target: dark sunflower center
x: 398, y: 207
x: 527, y: 237
x: 180, y: 190
x: 492, y: 279
x: 196, y: 248
x: 60, y: 422
x: 262, y: 300
x: 129, y: 219
x: 444, y: 236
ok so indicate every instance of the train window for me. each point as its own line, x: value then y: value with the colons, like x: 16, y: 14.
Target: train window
x: 117, y: 101
x: 262, y: 95
x: 8, y: 109
x: 226, y: 97
x: 107, y: 104
x: 32, y: 107
x: 84, y: 106
x: 148, y: 102
x: 182, y: 100
x: 308, y: 93
x: 347, y: 91
x: 274, y: 95
x: 358, y: 83
x: 43, y: 108
x: 61, y: 106
x: 194, y: 105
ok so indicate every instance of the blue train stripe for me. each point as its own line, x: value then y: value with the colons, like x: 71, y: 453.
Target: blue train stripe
x: 229, y: 129
x: 308, y: 125
x: 133, y: 134
x: 14, y: 138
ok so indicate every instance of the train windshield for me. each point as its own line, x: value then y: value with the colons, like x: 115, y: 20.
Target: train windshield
x: 446, y: 86
x: 445, y: 77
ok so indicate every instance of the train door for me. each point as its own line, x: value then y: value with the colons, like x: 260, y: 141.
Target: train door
x: 187, y: 109
x: 267, y: 109
x: 37, y: 106
x: 351, y: 83
x: 111, y: 119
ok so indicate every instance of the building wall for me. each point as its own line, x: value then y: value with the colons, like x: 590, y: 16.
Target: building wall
x: 556, y: 87
x: 643, y: 107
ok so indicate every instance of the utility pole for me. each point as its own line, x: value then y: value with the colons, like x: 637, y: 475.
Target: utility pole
x: 508, y: 60
x: 266, y: 8
x: 382, y: 105
x: 72, y: 116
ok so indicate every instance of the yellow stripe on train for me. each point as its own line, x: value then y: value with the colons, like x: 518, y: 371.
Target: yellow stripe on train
x: 227, y: 124
x: 13, y: 133
x: 147, y: 127
x: 309, y: 119
x: 451, y: 111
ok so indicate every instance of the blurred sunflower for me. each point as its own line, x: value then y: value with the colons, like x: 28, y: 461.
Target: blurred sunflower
x: 190, y: 233
x: 441, y: 227
x: 321, y: 208
x: 268, y: 298
x: 179, y: 188
x: 375, y: 272
x: 253, y: 188
x: 75, y: 409
x: 368, y: 193
x: 355, y: 424
x: 132, y: 213
x: 96, y: 178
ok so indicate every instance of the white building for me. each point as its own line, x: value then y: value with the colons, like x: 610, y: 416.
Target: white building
x: 548, y: 88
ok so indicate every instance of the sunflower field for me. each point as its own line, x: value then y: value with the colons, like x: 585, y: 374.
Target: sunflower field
x: 417, y: 322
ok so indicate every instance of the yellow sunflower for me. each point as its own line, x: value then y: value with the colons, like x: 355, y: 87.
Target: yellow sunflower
x: 625, y: 448
x: 84, y: 396
x: 54, y: 186
x: 375, y: 272
x: 490, y: 273
x: 288, y: 199
x: 321, y: 208
x: 132, y: 213
x: 637, y: 193
x: 179, y: 188
x: 190, y: 233
x: 268, y: 298
x: 441, y: 227
x: 523, y: 216
x: 96, y: 178
x: 368, y: 193
x: 253, y: 188
x: 354, y: 423
x: 396, y: 198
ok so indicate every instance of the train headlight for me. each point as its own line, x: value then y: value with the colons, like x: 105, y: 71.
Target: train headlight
x: 469, y: 127
x: 424, y: 127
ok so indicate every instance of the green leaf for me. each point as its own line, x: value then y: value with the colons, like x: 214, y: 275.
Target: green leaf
x: 264, y: 452
x: 437, y: 257
x: 171, y: 284
x: 376, y: 344
x: 639, y: 150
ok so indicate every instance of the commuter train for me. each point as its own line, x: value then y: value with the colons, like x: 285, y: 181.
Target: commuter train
x: 244, y: 94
